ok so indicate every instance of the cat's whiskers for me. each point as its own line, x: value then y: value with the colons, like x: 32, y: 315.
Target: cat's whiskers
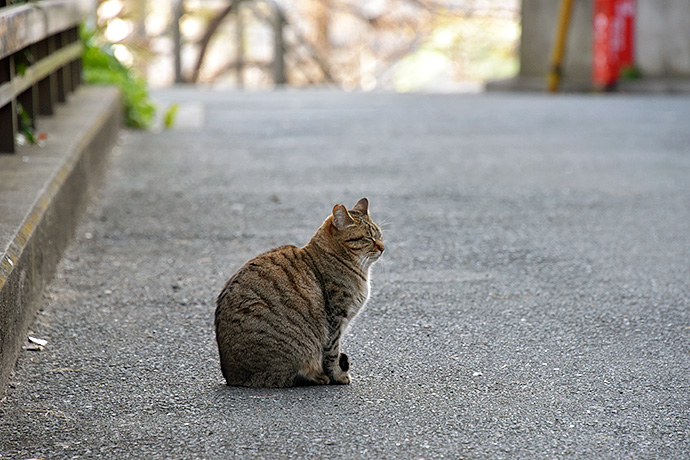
x: 383, y: 225
x: 382, y: 266
x: 362, y: 264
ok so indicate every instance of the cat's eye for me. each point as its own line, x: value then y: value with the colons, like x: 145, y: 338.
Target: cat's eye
x: 376, y: 243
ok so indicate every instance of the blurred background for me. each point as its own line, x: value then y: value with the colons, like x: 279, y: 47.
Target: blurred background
x: 399, y: 45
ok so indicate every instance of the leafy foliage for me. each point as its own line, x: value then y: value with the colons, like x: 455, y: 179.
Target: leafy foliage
x: 26, y: 128
x: 170, y: 116
x: 102, y: 67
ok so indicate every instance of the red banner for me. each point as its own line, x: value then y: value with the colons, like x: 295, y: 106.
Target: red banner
x: 613, y: 41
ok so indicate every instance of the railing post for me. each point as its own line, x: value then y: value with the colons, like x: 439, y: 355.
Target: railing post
x: 47, y: 87
x: 29, y: 97
x: 63, y: 76
x: 8, y: 113
x: 76, y: 67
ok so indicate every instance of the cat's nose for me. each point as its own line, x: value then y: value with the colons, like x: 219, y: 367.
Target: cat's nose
x: 379, y: 245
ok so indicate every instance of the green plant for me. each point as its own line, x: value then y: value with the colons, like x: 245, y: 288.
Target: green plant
x: 630, y: 73
x: 23, y: 60
x: 26, y: 128
x: 170, y: 116
x: 102, y: 67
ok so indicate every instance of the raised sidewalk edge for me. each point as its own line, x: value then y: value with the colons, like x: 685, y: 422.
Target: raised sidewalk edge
x: 80, y: 136
x: 633, y: 86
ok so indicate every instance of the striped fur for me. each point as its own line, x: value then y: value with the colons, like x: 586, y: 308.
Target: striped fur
x: 280, y: 318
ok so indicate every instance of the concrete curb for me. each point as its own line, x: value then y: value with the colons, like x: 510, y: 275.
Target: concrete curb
x: 533, y: 84
x: 79, y: 137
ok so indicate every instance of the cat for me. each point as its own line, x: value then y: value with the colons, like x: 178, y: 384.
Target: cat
x: 279, y: 319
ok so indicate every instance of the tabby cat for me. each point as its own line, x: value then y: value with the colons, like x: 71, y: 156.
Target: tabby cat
x: 280, y: 318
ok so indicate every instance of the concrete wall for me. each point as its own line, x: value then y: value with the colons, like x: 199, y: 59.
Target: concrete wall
x: 662, y: 40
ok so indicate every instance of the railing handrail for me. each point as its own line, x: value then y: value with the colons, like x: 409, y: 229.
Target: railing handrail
x: 38, y: 71
x: 32, y: 82
x: 28, y: 23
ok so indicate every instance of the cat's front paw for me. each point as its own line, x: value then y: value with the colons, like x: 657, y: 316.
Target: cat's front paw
x: 341, y: 379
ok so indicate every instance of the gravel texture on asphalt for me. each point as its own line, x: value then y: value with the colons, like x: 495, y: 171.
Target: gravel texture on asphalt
x: 533, y: 300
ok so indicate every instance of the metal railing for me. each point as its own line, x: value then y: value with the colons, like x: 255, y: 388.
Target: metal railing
x: 40, y: 61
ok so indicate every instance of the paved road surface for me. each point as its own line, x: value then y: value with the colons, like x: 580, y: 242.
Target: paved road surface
x: 533, y: 301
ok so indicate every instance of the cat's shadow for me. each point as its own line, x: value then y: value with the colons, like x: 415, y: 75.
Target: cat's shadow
x: 223, y: 392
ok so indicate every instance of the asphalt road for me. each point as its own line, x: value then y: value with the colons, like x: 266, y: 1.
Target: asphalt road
x: 533, y: 301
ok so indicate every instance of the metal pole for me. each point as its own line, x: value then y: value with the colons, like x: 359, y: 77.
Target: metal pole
x: 555, y: 72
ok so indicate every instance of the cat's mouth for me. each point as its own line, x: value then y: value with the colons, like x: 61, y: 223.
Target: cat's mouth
x: 375, y: 255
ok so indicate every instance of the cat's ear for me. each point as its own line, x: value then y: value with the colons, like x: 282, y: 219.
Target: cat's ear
x: 362, y: 206
x: 341, y: 218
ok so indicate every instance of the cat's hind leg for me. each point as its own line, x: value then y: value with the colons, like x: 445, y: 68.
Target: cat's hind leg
x: 303, y: 381
x: 311, y: 373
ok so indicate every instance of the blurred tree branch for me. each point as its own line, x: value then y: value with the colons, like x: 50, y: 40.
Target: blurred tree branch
x: 208, y: 35
x: 348, y: 42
